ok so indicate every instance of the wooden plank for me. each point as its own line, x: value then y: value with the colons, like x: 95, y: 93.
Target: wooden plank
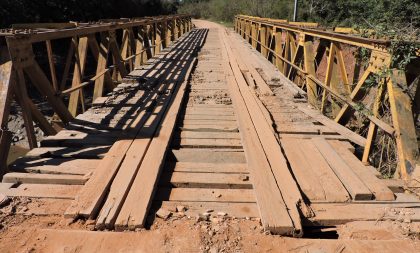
x: 303, y: 128
x: 93, y: 152
x: 206, y: 195
x: 202, y: 117
x: 310, y: 136
x: 210, y: 127
x: 209, y: 111
x: 63, y: 170
x: 43, y: 191
x: 94, y: 190
x: 273, y: 210
x: 286, y: 185
x: 206, y: 180
x: 302, y: 170
x: 33, y: 178
x: 333, y: 188
x: 209, y: 167
x: 78, y: 141
x: 336, y: 214
x: 209, y: 106
x: 207, y: 156
x: 208, y: 143
x: 23, y: 164
x: 135, y: 209
x: 6, y: 186
x: 209, y: 135
x: 211, y: 122
x: 379, y: 189
x: 129, y: 168
x: 238, y: 210
x: 353, y: 137
x: 350, y: 180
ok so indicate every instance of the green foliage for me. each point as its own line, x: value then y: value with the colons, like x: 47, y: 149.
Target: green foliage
x: 30, y: 11
x: 365, y: 13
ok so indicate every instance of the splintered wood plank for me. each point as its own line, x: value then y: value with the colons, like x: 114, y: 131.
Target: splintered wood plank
x: 207, y: 156
x: 209, y: 135
x: 206, y: 195
x: 350, y: 180
x: 272, y: 209
x: 208, y: 143
x: 333, y: 188
x: 308, y: 181
x: 31, y: 178
x: 379, y: 189
x: 206, y: 180
x: 138, y: 201
x: 43, y: 191
x: 239, y: 210
x: 210, y: 167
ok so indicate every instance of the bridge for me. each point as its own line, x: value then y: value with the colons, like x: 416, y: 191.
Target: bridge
x: 183, y: 135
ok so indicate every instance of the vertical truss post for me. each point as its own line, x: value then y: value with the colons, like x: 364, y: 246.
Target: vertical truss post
x: 278, y: 49
x: 5, y: 101
x: 254, y: 35
x: 79, y: 68
x: 402, y: 119
x: 309, y: 64
x: 263, y: 41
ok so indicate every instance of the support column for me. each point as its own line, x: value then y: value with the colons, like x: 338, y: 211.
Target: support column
x: 263, y: 41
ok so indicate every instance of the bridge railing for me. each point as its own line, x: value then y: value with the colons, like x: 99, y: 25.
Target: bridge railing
x: 96, y: 56
x: 328, y: 66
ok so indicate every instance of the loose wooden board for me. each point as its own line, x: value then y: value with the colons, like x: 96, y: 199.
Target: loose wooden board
x: 32, y: 178
x: 209, y: 167
x: 206, y: 180
x: 353, y: 184
x: 206, y: 195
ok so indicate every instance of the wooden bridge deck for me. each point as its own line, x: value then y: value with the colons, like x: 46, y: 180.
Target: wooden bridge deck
x: 208, y: 124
